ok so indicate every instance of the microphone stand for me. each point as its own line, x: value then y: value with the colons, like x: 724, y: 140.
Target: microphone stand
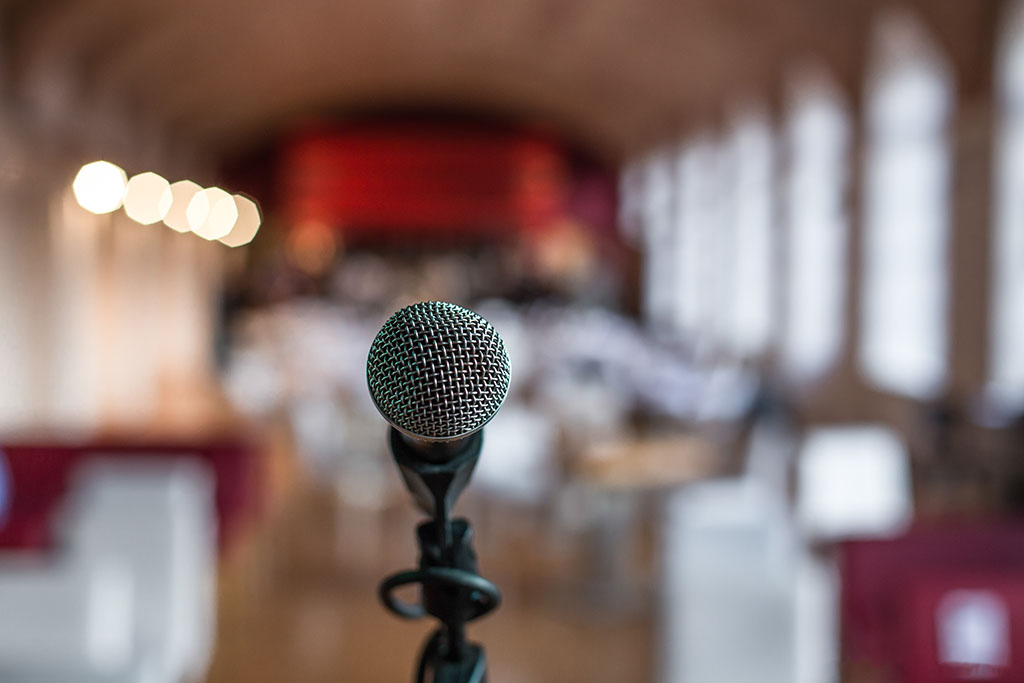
x: 451, y: 589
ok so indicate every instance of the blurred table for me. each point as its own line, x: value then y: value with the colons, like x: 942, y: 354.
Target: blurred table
x: 647, y: 463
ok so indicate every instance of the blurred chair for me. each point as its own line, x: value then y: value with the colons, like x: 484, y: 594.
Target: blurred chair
x: 853, y: 481
x: 128, y: 598
x: 727, y: 608
x: 65, y: 620
x: 734, y: 574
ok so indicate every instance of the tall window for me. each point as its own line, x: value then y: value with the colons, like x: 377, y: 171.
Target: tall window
x: 697, y: 222
x: 661, y: 286
x: 817, y: 140
x: 750, y: 148
x: 631, y: 201
x: 903, y: 345
x: 1007, y: 365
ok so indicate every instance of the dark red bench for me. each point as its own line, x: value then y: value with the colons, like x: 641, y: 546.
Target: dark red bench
x: 40, y: 475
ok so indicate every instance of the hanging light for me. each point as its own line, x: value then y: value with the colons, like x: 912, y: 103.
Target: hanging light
x: 212, y: 213
x: 147, y: 198
x: 246, y: 226
x: 99, y: 187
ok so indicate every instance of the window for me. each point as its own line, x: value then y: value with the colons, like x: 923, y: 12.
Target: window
x: 751, y: 152
x: 817, y: 139
x: 697, y: 222
x: 1007, y: 365
x: 661, y: 289
x: 903, y: 343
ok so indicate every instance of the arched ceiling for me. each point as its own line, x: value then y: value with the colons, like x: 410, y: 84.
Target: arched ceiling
x: 616, y: 74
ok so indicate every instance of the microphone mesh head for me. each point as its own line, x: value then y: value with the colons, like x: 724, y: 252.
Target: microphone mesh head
x: 437, y: 371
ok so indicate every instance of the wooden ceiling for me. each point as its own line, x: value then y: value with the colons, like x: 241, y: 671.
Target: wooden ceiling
x: 615, y: 74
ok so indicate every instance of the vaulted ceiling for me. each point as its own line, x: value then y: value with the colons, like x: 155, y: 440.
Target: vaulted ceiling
x: 617, y: 74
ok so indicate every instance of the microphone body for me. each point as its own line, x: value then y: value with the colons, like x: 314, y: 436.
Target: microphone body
x: 435, y: 480
x: 437, y: 373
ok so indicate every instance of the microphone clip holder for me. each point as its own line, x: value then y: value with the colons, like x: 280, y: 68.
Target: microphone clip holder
x: 451, y: 588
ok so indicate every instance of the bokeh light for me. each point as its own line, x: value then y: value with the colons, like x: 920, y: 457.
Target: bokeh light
x: 99, y: 187
x: 312, y: 247
x: 182, y: 193
x: 212, y: 213
x: 246, y: 226
x: 147, y: 198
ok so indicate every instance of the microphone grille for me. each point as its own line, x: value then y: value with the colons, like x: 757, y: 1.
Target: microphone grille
x: 437, y: 371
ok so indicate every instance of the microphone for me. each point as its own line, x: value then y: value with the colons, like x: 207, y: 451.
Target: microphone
x: 438, y: 373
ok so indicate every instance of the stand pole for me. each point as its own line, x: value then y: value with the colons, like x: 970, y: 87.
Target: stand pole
x: 451, y: 589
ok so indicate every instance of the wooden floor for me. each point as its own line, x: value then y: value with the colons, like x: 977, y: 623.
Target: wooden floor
x: 298, y: 604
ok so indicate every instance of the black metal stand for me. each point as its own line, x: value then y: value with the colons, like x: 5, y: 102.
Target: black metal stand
x: 451, y: 589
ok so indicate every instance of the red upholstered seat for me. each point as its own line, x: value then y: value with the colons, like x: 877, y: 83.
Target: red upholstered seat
x: 40, y: 475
